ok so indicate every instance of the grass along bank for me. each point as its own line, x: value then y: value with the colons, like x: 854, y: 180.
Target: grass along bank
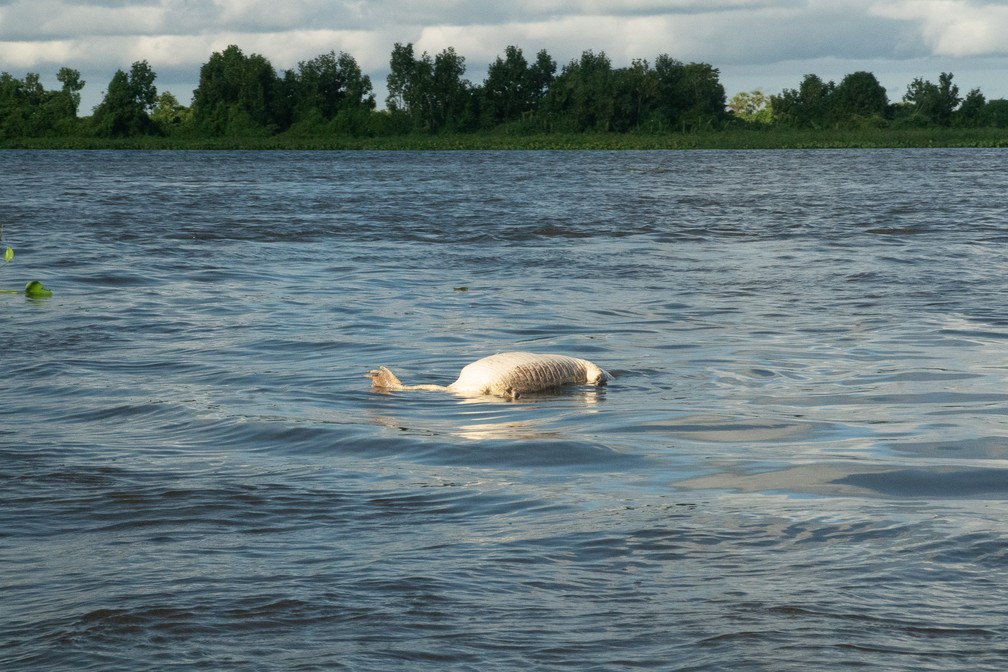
x: 732, y: 138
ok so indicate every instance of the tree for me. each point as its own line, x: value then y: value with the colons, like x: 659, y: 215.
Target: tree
x: 858, y: 96
x: 808, y: 106
x: 125, y: 109
x: 753, y: 107
x: 409, y: 84
x: 542, y: 74
x: 996, y: 113
x: 359, y: 91
x: 401, y: 80
x: 450, y: 92
x: 948, y: 96
x: 818, y: 104
x: 117, y: 115
x: 705, y: 94
x: 689, y: 96
x: 429, y: 93
x: 169, y: 114
x: 11, y: 107
x: 327, y: 85
x: 514, y: 88
x: 72, y: 85
x: 669, y: 91
x: 28, y: 110
x: 507, y: 89
x: 971, y: 111
x: 141, y: 80
x: 933, y: 103
x: 240, y: 95
x: 34, y: 94
x: 634, y: 90
x: 581, y: 97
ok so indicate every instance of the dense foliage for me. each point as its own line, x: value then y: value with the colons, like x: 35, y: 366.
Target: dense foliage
x: 241, y: 96
x: 28, y: 110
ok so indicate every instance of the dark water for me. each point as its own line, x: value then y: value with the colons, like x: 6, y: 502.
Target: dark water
x: 803, y: 462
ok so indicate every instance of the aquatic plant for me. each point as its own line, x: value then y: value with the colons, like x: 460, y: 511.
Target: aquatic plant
x: 34, y: 288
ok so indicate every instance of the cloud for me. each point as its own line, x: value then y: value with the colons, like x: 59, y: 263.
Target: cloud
x: 753, y: 42
x: 44, y: 20
x: 725, y: 33
x: 954, y: 28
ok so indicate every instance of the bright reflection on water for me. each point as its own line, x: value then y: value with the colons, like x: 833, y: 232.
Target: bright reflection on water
x: 802, y: 458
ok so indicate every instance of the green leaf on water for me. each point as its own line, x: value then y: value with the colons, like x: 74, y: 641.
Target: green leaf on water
x: 8, y: 255
x: 35, y: 289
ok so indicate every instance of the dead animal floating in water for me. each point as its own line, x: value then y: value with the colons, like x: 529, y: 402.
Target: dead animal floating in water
x: 507, y: 374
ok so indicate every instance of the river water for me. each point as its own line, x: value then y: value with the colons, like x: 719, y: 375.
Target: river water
x: 802, y: 461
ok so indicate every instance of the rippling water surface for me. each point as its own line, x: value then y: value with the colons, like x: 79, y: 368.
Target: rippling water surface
x: 803, y: 460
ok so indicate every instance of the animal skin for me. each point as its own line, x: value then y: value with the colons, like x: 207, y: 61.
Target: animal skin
x: 507, y: 374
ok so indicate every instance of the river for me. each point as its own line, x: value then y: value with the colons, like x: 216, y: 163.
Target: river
x: 802, y: 461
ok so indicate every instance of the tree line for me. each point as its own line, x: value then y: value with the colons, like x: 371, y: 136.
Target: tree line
x: 242, y: 95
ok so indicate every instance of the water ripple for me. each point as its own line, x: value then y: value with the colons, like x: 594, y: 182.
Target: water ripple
x: 801, y: 458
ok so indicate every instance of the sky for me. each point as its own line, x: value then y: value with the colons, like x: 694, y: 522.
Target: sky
x: 755, y: 44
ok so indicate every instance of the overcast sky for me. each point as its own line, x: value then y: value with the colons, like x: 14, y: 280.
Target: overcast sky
x: 765, y: 44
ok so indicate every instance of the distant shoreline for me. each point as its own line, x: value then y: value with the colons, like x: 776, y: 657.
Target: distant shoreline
x: 729, y: 139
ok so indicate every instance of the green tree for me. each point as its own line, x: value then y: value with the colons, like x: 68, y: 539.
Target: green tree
x: 689, y: 96
x: 808, y: 106
x: 933, y: 103
x: 409, y: 84
x: 28, y: 110
x: 328, y: 85
x: 33, y: 91
x: 11, y: 110
x: 706, y: 96
x: 752, y: 107
x: 401, y: 79
x: 513, y: 88
x: 451, y: 94
x: 634, y: 90
x: 971, y: 111
x: 359, y: 91
x: 118, y: 115
x: 507, y: 88
x: 581, y: 98
x: 239, y: 95
x: 19, y: 100
x: 542, y: 74
x: 428, y: 93
x: 670, y: 104
x: 141, y: 80
x: 72, y: 85
x: 129, y: 99
x: 996, y: 113
x: 58, y: 112
x: 858, y: 97
x: 169, y: 114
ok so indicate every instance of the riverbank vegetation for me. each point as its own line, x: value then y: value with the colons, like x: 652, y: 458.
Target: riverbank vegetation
x: 328, y: 103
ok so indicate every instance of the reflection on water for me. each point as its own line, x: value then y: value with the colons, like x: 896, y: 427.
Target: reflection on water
x: 728, y: 429
x: 535, y: 416
x: 986, y: 481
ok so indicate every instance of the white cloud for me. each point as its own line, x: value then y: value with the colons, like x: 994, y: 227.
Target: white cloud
x: 28, y: 55
x: 753, y: 42
x: 954, y: 28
